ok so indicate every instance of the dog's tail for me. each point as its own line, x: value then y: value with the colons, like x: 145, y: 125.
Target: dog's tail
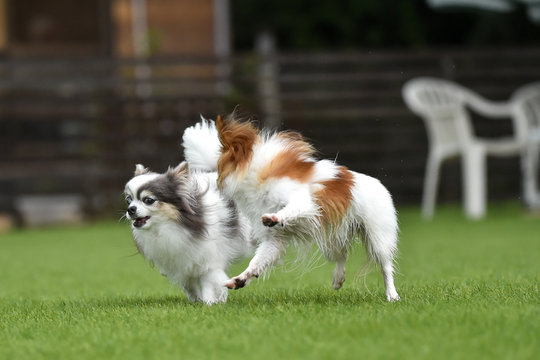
x: 201, y: 145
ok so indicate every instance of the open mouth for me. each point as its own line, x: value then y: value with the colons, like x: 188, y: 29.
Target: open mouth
x: 139, y: 222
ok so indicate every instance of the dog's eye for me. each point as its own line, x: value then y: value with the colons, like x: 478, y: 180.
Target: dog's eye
x: 128, y: 199
x: 148, y: 200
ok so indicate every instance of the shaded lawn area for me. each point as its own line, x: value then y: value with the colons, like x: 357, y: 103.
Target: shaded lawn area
x: 469, y: 291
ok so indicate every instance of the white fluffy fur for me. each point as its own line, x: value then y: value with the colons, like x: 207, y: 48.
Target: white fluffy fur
x: 370, y: 215
x: 196, y: 263
x: 201, y: 145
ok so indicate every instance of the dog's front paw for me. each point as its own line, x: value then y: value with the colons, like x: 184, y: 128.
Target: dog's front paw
x: 241, y: 280
x: 392, y: 296
x: 236, y: 283
x: 270, y: 220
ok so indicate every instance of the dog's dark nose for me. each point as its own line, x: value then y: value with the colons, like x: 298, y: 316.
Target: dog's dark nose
x: 132, y: 210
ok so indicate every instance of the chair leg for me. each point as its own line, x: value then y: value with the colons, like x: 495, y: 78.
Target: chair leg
x: 529, y: 163
x: 536, y: 185
x: 431, y: 184
x: 474, y: 182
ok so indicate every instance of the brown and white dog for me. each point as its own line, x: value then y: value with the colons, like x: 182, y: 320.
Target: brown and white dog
x: 289, y: 195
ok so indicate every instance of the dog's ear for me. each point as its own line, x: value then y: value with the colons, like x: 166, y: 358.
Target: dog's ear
x: 180, y: 175
x: 181, y: 170
x: 220, y: 123
x: 140, y: 170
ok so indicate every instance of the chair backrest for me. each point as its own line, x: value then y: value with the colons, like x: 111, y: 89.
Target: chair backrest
x: 442, y: 106
x: 526, y: 102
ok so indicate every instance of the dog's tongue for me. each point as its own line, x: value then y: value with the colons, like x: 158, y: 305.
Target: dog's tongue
x: 140, y: 221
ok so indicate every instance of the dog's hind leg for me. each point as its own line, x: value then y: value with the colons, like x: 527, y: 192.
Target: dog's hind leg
x: 339, y: 274
x: 375, y: 214
x: 380, y: 246
x: 334, y: 251
x: 337, y: 254
x: 388, y: 276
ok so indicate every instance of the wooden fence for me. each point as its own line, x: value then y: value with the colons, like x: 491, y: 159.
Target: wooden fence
x: 79, y: 126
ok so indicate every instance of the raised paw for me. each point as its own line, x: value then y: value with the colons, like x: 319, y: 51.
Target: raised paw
x: 269, y: 220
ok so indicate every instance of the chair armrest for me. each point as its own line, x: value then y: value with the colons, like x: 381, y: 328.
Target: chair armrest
x: 491, y: 109
x: 534, y: 135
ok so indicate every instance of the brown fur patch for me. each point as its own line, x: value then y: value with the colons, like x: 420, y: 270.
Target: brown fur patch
x: 291, y: 162
x: 297, y: 142
x: 167, y: 209
x: 237, y: 140
x: 335, y: 198
x: 288, y: 163
x: 170, y: 211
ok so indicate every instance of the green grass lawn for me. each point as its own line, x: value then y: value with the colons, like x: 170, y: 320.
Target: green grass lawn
x: 469, y: 291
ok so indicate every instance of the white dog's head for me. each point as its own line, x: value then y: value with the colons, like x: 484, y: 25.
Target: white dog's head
x: 153, y: 199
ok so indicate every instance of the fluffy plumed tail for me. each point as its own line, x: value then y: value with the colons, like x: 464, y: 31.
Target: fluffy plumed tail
x: 201, y: 145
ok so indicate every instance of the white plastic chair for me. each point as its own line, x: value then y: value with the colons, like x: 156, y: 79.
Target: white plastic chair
x: 526, y: 110
x: 443, y: 105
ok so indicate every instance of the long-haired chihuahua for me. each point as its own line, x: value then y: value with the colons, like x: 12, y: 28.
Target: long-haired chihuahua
x: 184, y: 226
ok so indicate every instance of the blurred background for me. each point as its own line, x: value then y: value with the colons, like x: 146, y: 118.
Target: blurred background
x: 89, y: 88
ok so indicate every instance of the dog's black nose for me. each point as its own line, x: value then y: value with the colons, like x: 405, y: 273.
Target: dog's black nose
x: 132, y: 210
